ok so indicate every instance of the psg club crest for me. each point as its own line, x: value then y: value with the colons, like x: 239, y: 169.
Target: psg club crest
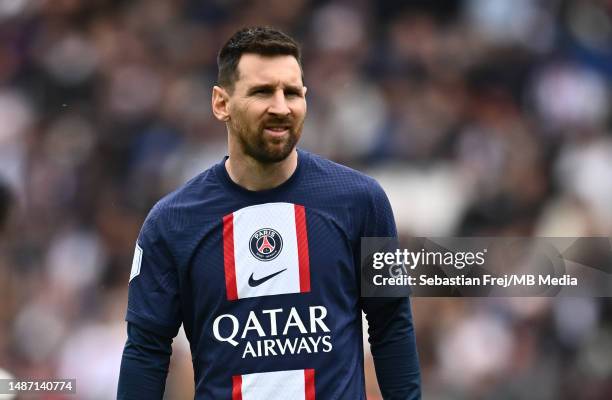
x: 266, y: 244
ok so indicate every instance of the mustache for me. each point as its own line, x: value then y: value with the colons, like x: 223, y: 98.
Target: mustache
x: 279, y: 123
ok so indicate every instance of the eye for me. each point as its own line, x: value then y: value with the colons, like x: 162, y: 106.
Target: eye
x: 261, y: 92
x: 293, y: 93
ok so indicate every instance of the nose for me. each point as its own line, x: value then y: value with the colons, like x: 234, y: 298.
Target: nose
x: 278, y: 105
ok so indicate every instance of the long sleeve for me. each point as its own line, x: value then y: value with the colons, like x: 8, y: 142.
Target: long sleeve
x: 144, y: 365
x: 391, y: 331
x: 393, y: 347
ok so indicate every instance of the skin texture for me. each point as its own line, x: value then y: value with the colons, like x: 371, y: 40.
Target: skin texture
x: 264, y: 114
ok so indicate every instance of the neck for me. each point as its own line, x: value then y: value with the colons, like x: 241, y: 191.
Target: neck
x: 254, y: 175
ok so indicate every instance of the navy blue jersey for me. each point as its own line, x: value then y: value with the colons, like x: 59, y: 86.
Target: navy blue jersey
x: 265, y: 283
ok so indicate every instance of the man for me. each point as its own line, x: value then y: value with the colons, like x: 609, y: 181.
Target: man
x: 258, y: 257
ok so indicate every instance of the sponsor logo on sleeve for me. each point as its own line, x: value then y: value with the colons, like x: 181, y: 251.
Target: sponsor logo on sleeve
x: 136, y: 262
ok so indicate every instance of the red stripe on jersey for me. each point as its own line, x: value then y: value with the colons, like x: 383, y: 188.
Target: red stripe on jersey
x: 237, y: 387
x: 228, y: 257
x: 302, y: 245
x: 309, y: 384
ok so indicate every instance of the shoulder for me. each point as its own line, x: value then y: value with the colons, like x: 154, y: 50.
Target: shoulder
x: 343, y: 179
x: 169, y: 210
x: 360, y: 195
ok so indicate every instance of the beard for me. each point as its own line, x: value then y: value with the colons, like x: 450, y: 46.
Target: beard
x: 261, y: 147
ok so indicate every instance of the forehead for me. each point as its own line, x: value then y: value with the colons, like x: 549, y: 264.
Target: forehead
x: 254, y: 69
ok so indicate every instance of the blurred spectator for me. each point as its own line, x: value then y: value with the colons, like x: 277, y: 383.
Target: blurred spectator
x: 6, y: 200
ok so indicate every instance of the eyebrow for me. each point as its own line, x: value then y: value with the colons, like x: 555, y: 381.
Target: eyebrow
x: 268, y: 87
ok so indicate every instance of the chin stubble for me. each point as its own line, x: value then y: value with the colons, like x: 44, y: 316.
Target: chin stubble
x: 257, y: 147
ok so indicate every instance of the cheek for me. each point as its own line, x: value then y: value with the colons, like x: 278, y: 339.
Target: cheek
x: 240, y: 114
x: 299, y: 110
x: 252, y: 112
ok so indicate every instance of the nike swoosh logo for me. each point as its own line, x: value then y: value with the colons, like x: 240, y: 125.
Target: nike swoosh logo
x: 256, y: 282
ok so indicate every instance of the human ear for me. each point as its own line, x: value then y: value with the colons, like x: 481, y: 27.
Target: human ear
x: 219, y: 102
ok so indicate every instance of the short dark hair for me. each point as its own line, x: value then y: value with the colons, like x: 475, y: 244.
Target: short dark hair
x: 261, y: 40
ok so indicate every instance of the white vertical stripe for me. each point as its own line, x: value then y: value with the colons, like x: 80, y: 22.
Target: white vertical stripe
x: 280, y: 385
x: 247, y: 221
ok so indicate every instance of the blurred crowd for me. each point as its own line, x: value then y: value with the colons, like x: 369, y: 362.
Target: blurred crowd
x: 478, y: 117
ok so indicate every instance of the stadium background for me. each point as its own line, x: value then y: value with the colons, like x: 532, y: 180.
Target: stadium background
x: 479, y: 117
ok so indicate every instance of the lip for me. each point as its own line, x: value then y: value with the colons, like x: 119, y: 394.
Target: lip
x: 276, y: 133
